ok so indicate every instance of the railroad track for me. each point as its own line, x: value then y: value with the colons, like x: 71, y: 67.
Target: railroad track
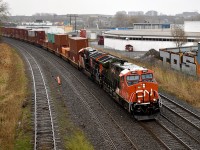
x: 89, y: 108
x: 181, y: 111
x: 188, y: 139
x: 166, y: 137
x: 183, y: 122
x: 44, y: 132
x: 175, y: 136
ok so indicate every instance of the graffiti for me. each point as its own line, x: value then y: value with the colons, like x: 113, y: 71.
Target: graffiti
x: 185, y: 59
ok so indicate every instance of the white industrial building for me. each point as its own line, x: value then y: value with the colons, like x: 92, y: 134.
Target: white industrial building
x: 192, y: 26
x: 144, y: 40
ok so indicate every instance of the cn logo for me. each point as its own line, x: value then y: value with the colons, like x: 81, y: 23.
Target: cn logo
x: 144, y: 92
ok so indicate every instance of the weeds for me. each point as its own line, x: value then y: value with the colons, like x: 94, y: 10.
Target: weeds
x: 13, y: 91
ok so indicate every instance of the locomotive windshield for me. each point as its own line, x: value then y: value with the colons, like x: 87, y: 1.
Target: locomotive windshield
x: 133, y: 79
x: 147, y: 77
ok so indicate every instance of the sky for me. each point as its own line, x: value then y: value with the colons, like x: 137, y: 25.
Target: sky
x: 107, y: 7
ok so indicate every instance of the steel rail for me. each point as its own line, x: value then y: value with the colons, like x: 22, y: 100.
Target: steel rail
x: 133, y: 145
x: 35, y: 97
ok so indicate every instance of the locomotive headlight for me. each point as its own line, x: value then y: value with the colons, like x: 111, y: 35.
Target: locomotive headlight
x: 154, y: 100
x: 139, y: 101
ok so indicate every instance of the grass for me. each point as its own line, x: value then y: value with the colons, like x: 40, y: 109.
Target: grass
x: 72, y: 136
x: 78, y: 142
x: 182, y: 86
x: 14, y: 113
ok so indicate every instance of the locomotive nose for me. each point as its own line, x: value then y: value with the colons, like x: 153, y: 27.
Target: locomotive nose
x: 145, y: 93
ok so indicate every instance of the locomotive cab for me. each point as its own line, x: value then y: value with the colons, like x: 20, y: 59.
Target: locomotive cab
x: 139, y: 90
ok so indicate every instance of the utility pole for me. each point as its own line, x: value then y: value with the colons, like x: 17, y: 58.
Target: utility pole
x: 75, y: 21
x: 70, y: 19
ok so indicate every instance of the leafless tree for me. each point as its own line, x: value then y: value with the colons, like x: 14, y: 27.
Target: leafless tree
x: 90, y: 22
x: 3, y: 10
x: 131, y: 20
x: 179, y: 36
x: 120, y: 19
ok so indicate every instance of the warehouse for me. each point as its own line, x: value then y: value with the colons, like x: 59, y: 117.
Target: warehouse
x: 144, y: 40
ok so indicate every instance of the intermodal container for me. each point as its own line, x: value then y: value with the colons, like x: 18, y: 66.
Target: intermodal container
x: 61, y: 40
x: 17, y: 33
x: 12, y: 32
x: 1, y: 30
x: 83, y: 33
x: 51, y: 46
x: 5, y: 31
x: 65, y: 52
x: 73, y: 57
x: 51, y: 37
x: 8, y: 32
x: 31, y: 33
x: 21, y: 34
x: 39, y: 37
x: 25, y: 34
x: 45, y: 44
x: 77, y: 43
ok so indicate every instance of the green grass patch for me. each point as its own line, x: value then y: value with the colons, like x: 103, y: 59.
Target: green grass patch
x: 78, y: 142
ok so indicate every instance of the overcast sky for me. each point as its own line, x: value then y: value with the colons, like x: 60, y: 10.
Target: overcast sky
x: 108, y: 7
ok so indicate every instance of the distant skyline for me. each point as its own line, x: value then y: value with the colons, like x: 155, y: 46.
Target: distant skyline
x: 106, y: 7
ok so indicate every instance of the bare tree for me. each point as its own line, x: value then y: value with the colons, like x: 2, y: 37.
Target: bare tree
x: 179, y: 35
x: 120, y: 19
x: 90, y: 22
x: 131, y: 20
x: 3, y: 10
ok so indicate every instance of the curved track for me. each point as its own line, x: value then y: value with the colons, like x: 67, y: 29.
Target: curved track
x: 44, y: 136
x: 168, y: 134
x: 104, y: 130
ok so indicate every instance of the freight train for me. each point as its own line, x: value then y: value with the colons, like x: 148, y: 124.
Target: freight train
x: 132, y: 86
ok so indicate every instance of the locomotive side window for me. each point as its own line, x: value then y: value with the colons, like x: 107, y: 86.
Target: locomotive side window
x: 132, y: 79
x: 147, y: 77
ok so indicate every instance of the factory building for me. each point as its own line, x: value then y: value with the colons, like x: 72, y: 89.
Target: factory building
x: 153, y: 38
